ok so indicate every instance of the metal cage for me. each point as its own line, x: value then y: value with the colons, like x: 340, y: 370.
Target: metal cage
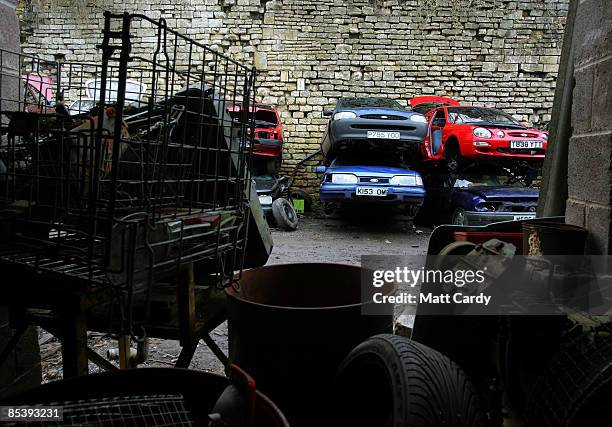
x: 135, y: 170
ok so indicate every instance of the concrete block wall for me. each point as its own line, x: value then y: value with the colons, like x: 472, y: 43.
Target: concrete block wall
x: 22, y: 368
x: 501, y: 53
x: 590, y: 151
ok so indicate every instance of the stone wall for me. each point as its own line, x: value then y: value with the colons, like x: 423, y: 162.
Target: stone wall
x: 590, y: 149
x: 501, y: 53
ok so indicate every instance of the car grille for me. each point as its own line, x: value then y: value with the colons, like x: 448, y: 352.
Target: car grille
x: 518, y: 205
x: 524, y: 134
x: 382, y: 127
x: 526, y: 151
x: 382, y: 117
x: 373, y: 180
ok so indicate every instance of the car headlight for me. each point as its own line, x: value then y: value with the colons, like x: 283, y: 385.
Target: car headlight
x: 487, y: 207
x: 344, y: 115
x: 418, y: 118
x: 482, y: 133
x: 344, y: 178
x: 545, y: 136
x: 405, y: 180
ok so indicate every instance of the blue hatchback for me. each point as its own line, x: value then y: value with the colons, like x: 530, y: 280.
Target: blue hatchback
x: 370, y: 180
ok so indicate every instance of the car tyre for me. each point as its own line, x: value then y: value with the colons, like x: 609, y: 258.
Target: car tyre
x: 458, y: 217
x: 284, y: 214
x: 298, y: 193
x: 393, y: 381
x: 452, y: 155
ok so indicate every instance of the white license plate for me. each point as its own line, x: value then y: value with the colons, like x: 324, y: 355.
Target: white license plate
x: 383, y: 135
x: 265, y: 200
x: 371, y: 191
x: 526, y: 145
x: 521, y: 217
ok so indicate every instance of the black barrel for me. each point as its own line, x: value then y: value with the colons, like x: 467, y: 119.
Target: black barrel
x: 290, y: 326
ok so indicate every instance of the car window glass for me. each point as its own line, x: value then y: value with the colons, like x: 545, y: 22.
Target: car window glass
x: 369, y: 103
x: 480, y: 115
x: 265, y: 117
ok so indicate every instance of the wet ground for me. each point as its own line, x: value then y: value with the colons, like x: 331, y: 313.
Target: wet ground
x: 317, y: 239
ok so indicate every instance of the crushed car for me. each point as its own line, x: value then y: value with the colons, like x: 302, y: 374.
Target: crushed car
x: 372, y: 124
x: 268, y: 137
x: 456, y: 132
x: 478, y: 196
x: 273, y: 190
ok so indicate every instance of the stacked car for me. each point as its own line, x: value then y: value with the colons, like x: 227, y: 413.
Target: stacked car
x: 368, y: 145
x: 273, y: 190
x: 478, y: 163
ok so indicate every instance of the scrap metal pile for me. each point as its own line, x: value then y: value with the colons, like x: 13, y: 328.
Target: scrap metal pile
x: 126, y: 194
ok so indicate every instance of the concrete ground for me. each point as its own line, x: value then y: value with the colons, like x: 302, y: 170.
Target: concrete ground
x: 317, y: 239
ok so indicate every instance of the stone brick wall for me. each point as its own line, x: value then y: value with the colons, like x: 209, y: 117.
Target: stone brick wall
x: 501, y: 53
x: 590, y: 149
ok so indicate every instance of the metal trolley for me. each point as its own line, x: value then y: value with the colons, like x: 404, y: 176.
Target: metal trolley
x: 126, y: 211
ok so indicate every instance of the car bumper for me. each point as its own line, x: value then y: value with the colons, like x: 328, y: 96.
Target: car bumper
x: 501, y: 149
x: 267, y: 147
x: 351, y: 134
x: 345, y: 194
x: 484, y: 218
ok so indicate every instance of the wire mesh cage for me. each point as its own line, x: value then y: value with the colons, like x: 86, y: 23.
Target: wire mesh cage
x: 135, y: 169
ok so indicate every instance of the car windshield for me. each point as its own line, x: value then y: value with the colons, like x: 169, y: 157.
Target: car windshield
x: 483, y: 180
x: 481, y: 116
x: 369, y: 103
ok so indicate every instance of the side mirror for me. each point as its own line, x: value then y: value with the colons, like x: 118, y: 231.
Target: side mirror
x: 320, y: 169
x: 327, y: 112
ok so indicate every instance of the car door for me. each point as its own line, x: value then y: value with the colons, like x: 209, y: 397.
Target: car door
x: 435, y: 133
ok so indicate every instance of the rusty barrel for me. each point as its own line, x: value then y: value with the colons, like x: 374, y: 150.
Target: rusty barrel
x: 291, y: 325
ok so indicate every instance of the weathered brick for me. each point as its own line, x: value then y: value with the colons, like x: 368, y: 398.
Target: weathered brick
x: 590, y: 170
x: 334, y: 48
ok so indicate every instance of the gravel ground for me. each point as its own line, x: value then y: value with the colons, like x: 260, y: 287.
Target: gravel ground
x: 318, y: 239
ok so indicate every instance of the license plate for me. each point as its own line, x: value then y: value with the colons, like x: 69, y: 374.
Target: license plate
x: 521, y: 217
x: 371, y: 191
x: 526, y: 145
x: 265, y: 200
x: 383, y: 135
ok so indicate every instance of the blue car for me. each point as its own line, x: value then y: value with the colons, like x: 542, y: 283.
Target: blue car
x: 370, y: 181
x: 478, y: 198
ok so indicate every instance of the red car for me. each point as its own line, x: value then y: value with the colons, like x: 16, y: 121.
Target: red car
x: 457, y: 132
x: 268, y: 139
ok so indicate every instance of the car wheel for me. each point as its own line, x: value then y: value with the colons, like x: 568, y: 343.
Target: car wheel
x: 458, y: 217
x: 284, y: 214
x: 393, y: 381
x: 298, y: 193
x: 452, y: 155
